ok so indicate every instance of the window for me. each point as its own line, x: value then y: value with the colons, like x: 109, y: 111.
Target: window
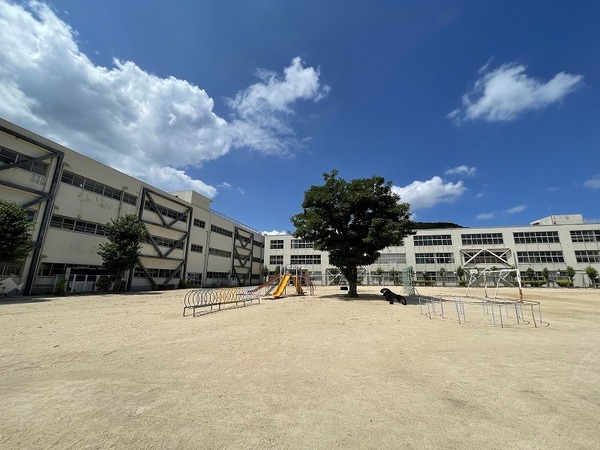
x: 199, y: 223
x: 81, y: 226
x: 155, y: 273
x: 587, y: 256
x: 300, y: 260
x: 434, y: 258
x: 194, y: 279
x: 392, y: 258
x: 217, y: 275
x: 540, y: 257
x: 585, y: 236
x: 97, y: 187
x: 218, y: 252
x: 421, y: 241
x: 165, y: 242
x: 482, y: 239
x: 484, y: 257
x: 276, y: 244
x: 536, y: 237
x: 196, y: 248
x: 300, y: 243
x: 220, y: 230
x: 164, y: 211
x: 11, y: 157
x: 276, y: 260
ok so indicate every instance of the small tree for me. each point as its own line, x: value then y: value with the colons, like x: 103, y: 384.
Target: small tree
x: 15, y: 232
x: 529, y: 274
x: 546, y: 275
x: 592, y: 275
x: 353, y: 221
x: 121, y: 253
x: 460, y: 273
x: 379, y: 272
x: 571, y: 275
x: 442, y: 273
x: 394, y: 276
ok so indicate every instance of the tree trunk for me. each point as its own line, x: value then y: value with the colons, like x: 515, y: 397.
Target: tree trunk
x: 117, y: 282
x: 351, y: 274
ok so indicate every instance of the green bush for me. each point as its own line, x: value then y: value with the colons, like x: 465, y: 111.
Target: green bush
x: 564, y: 283
x: 61, y: 287
x: 104, y: 283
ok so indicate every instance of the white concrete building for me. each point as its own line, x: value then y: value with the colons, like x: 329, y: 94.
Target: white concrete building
x: 554, y: 242
x: 71, y: 197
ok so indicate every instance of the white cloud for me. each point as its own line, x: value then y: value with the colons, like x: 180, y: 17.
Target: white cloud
x: 507, y: 212
x: 462, y: 171
x: 150, y: 127
x: 425, y: 194
x: 504, y: 93
x: 275, y: 233
x: 593, y: 183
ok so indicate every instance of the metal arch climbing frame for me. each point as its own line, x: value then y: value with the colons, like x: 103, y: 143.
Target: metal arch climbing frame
x: 204, y: 298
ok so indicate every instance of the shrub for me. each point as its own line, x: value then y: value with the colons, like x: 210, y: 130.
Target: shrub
x: 564, y: 283
x: 61, y: 287
x: 104, y: 283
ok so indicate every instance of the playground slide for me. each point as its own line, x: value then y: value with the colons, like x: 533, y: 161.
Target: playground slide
x: 282, y: 285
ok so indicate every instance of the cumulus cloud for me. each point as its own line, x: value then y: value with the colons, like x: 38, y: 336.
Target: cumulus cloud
x: 150, y: 127
x: 425, y: 194
x: 503, y: 94
x: 275, y: 233
x: 593, y: 183
x: 462, y: 171
x: 507, y: 212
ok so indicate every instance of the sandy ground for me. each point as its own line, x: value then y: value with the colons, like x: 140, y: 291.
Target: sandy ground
x: 316, y: 372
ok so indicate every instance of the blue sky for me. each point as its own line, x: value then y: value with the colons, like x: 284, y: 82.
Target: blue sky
x: 482, y: 113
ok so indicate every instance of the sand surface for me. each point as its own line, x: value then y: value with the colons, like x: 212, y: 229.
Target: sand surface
x: 316, y: 372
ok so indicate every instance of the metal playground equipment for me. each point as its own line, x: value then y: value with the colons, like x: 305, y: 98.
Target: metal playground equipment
x: 498, y: 311
x: 204, y: 298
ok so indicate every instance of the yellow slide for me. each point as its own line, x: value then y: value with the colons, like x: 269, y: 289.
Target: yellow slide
x: 282, y: 285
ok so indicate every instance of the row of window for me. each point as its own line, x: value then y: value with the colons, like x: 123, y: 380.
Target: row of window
x: 8, y: 156
x: 217, y: 275
x: 97, y: 187
x: 164, y: 211
x: 434, y: 258
x: 392, y: 258
x: 475, y: 239
x: 218, y: 252
x: 196, y: 248
x: 540, y: 257
x: 165, y: 242
x: 301, y: 260
x: 220, y: 230
x: 301, y: 243
x: 587, y: 256
x: 155, y: 273
x: 482, y: 239
x: 537, y: 237
x: 199, y: 223
x: 81, y: 226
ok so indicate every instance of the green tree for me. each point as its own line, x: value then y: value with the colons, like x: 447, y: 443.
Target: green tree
x: 546, y: 276
x: 379, y: 272
x: 529, y: 274
x: 571, y: 275
x: 121, y: 253
x: 352, y: 220
x: 592, y: 275
x: 15, y: 232
x: 394, y: 276
x: 460, y: 273
x: 442, y: 273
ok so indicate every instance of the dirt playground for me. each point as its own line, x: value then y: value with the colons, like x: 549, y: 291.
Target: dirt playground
x: 312, y: 372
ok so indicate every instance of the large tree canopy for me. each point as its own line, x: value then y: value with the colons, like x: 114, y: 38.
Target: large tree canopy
x: 15, y: 232
x: 353, y: 221
x: 125, y: 236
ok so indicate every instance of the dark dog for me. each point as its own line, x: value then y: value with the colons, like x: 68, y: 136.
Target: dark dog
x: 392, y: 297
